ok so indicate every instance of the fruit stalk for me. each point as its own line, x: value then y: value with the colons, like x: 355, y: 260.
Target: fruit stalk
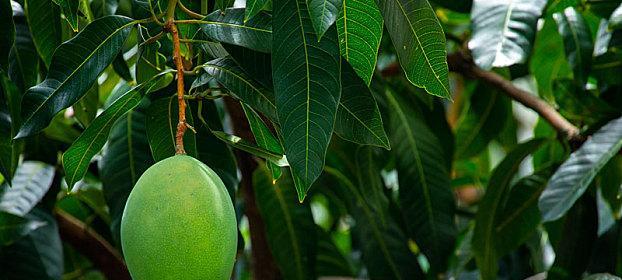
x: 181, y: 125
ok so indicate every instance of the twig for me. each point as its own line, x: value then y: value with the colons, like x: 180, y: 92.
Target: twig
x: 458, y: 62
x: 189, y: 12
x: 93, y: 246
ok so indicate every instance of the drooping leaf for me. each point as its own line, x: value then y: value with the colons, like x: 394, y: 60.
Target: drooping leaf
x: 323, y: 14
x: 257, y: 64
x: 358, y: 117
x: 85, y: 109
x: 242, y: 86
x: 7, y: 33
x: 45, y: 27
x: 578, y: 43
x: 9, y: 148
x: 253, y: 7
x: 162, y: 119
x: 149, y: 60
x: 491, y: 208
x: 78, y: 157
x: 503, y: 31
x: 385, y: 247
x: 264, y: 138
x: 14, y: 227
x: 120, y: 67
x: 419, y: 42
x: 483, y: 120
x: 574, y: 176
x: 70, y: 10
x: 329, y: 261
x: 75, y: 66
x: 245, y: 145
x: 359, y: 28
x: 289, y: 224
x: 307, y: 87
x: 229, y: 27
x: 425, y: 191
x: 126, y: 158
x: 30, y: 183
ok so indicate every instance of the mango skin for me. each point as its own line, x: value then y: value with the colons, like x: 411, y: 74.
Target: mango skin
x: 179, y: 223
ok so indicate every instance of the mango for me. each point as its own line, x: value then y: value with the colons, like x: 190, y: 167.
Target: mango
x: 179, y: 223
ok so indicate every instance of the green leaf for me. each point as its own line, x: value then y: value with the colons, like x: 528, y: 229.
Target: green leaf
x: 224, y: 4
x: 580, y: 106
x: 70, y: 10
x: 425, y: 191
x: 38, y: 255
x: 574, y: 176
x: 358, y: 117
x: 7, y: 33
x: 13, y: 227
x: 323, y: 14
x: 9, y: 148
x: 23, y: 59
x: 75, y: 66
x: 253, y: 7
x: 149, y: 60
x: 229, y: 27
x: 126, y: 158
x: 602, y: 276
x: 162, y: 119
x: 329, y: 261
x: 242, y: 86
x: 483, y: 120
x: 578, y: 43
x: 491, y: 207
x: 503, y: 31
x: 264, y: 138
x: 359, y: 28
x: 244, y: 145
x: 462, y: 6
x: 45, y: 27
x: 548, y: 61
x: 78, y: 157
x: 419, y: 42
x: 289, y: 224
x: 615, y: 20
x: 384, y: 245
x: 306, y: 87
x: 120, y: 67
x: 30, y: 183
x: 85, y: 110
x: 102, y: 8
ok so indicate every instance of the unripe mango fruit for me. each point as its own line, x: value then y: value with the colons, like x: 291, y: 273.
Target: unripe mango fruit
x: 179, y: 223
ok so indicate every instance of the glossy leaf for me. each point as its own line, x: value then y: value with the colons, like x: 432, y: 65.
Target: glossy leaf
x: 7, y: 34
x: 120, y: 67
x: 229, y: 27
x: 359, y: 27
x: 482, y: 121
x: 385, y: 247
x: 78, y: 157
x: 503, y: 31
x: 306, y: 88
x: 323, y: 14
x: 574, y: 176
x: 358, y: 117
x: 38, y: 255
x: 419, y: 42
x: 162, y: 119
x: 30, y: 183
x: 491, y: 207
x: 126, y: 158
x: 578, y: 43
x: 264, y: 138
x: 548, y: 61
x: 241, y: 85
x: 253, y: 7
x: 425, y: 192
x: 289, y: 224
x: 14, y: 227
x: 23, y: 58
x: 75, y: 66
x: 70, y: 10
x: 615, y: 20
x: 45, y: 27
x: 245, y: 145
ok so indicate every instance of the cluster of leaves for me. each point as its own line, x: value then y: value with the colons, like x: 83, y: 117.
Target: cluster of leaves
x: 423, y: 177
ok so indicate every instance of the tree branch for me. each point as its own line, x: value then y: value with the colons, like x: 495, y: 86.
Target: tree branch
x: 263, y: 265
x: 90, y: 244
x: 460, y: 63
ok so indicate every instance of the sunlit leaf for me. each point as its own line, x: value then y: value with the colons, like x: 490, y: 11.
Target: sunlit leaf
x: 30, y: 183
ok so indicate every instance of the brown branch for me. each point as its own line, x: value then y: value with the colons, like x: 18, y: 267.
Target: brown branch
x: 460, y: 63
x: 189, y: 12
x: 181, y: 125
x: 90, y: 244
x: 263, y: 265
